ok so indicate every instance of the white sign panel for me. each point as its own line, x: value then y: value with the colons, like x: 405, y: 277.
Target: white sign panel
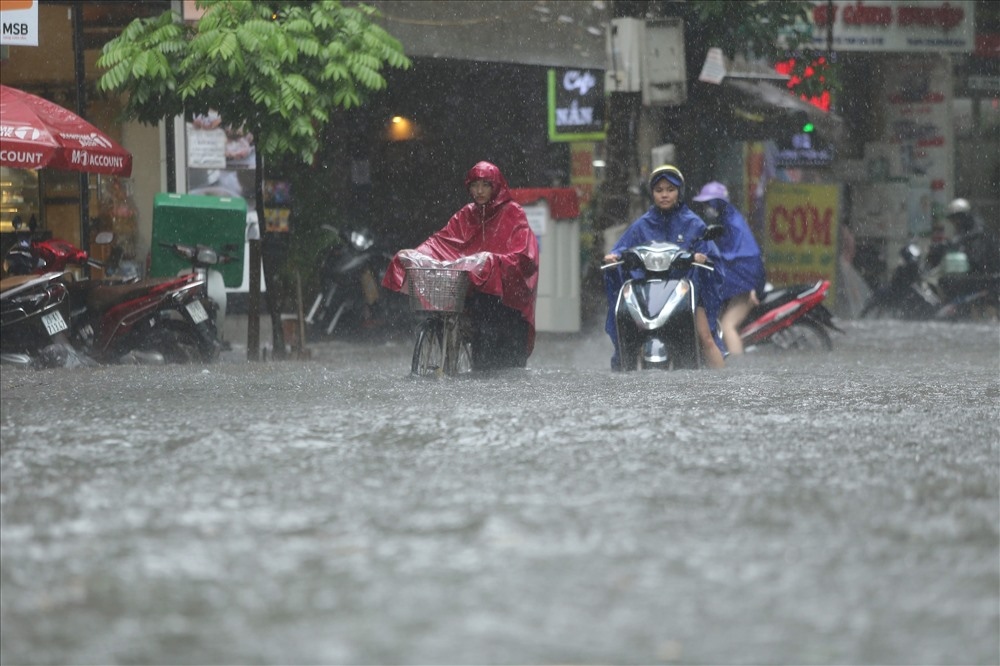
x: 19, y: 23
x: 538, y: 218
x: 206, y: 148
x: 894, y: 25
x: 919, y: 122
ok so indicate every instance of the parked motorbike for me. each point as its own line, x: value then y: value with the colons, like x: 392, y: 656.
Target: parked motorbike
x: 791, y: 318
x: 133, y: 321
x: 655, y: 314
x: 350, y: 296
x: 34, y: 316
x: 156, y: 320
x: 947, y: 293
x: 202, y: 259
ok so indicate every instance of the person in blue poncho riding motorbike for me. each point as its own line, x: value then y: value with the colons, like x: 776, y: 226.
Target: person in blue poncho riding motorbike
x: 741, y: 259
x: 669, y: 219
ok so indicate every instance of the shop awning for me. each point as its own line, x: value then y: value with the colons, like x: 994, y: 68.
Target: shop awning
x: 765, y: 97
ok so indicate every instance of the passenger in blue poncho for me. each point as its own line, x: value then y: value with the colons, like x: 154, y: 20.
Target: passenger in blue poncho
x: 670, y: 220
x: 741, y: 258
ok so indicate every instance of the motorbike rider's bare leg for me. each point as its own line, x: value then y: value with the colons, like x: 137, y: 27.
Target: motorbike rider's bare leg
x: 710, y: 350
x: 734, y: 312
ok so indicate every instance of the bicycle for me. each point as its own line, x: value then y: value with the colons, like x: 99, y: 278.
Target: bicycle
x: 443, y: 345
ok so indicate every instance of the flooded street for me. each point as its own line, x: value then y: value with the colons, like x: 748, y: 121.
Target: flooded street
x: 837, y: 508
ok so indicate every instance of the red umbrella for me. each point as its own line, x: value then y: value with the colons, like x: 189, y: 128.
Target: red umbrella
x: 35, y: 133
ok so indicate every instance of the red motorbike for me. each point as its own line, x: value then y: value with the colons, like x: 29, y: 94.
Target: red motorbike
x: 154, y: 320
x: 791, y: 318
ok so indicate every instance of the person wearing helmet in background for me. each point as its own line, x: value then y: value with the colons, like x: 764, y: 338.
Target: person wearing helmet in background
x: 670, y: 219
x: 981, y: 247
x: 501, y: 300
x: 741, y: 258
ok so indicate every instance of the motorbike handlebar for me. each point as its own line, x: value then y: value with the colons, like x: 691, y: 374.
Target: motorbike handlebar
x: 709, y: 265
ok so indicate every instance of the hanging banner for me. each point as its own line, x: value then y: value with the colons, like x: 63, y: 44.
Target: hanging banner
x: 19, y: 22
x: 801, y: 240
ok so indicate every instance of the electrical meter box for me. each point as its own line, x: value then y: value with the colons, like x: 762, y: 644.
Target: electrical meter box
x: 196, y: 219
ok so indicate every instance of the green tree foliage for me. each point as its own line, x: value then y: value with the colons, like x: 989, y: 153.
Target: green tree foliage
x: 276, y: 68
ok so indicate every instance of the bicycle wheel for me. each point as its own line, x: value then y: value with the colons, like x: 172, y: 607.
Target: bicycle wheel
x: 428, y: 352
x: 458, y: 346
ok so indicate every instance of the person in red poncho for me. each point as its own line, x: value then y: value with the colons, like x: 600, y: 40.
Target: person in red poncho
x: 501, y: 303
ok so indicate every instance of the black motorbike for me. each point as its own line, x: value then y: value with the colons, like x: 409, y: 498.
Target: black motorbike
x: 350, y: 298
x: 34, y: 322
x: 947, y: 293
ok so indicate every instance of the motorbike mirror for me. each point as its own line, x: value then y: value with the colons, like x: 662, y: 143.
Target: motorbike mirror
x: 713, y: 231
x: 104, y: 238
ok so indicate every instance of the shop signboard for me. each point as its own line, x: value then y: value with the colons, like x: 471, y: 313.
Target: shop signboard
x: 576, y: 104
x: 893, y: 26
x: 19, y: 23
x: 801, y: 235
x: 919, y: 124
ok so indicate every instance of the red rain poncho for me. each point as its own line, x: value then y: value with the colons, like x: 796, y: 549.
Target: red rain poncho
x: 499, y: 228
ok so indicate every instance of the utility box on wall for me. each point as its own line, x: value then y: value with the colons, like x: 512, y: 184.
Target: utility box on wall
x: 647, y: 57
x: 194, y: 219
x: 664, y: 75
x: 552, y: 214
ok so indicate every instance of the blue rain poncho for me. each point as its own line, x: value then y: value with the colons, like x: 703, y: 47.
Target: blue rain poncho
x: 744, y: 267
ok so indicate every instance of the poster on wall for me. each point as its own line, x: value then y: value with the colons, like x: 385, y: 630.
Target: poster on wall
x: 918, y: 122
x: 220, y: 159
x: 801, y: 239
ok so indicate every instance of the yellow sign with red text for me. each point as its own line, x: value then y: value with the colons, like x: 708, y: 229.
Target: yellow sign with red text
x: 801, y: 239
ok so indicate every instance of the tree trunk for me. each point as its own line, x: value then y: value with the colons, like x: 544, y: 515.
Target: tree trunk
x: 271, y: 265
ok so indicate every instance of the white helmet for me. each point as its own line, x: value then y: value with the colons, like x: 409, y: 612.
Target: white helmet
x: 958, y: 206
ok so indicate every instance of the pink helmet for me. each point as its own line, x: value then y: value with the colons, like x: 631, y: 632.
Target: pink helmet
x: 713, y: 190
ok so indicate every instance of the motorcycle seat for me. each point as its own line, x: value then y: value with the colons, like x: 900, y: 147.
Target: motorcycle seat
x: 15, y: 281
x: 100, y: 297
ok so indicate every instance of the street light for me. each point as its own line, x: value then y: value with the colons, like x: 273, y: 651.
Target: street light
x: 401, y: 128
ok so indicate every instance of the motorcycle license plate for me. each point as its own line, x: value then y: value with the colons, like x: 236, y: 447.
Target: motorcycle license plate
x: 197, y: 311
x: 54, y: 322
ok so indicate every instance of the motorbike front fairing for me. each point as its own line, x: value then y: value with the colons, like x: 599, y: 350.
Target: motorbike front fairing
x: 654, y: 313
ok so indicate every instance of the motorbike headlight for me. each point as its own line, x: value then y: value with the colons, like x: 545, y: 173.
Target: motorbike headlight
x: 361, y: 241
x: 207, y: 255
x: 657, y: 261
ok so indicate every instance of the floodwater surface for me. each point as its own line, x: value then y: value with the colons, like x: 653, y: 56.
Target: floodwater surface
x: 830, y: 508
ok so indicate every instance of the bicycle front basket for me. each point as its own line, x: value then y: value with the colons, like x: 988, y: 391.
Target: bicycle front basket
x: 437, y: 289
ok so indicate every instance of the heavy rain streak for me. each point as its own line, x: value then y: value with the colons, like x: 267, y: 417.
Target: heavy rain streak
x: 827, y: 507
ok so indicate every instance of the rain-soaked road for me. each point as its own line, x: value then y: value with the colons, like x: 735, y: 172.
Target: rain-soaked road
x: 837, y: 509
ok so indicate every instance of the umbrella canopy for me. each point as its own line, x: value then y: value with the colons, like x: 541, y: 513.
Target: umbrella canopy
x: 35, y: 133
